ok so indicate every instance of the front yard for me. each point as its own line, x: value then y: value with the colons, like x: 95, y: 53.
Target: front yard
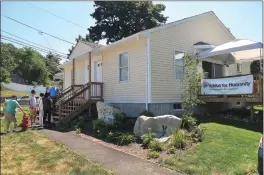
x: 30, y: 152
x: 228, y: 147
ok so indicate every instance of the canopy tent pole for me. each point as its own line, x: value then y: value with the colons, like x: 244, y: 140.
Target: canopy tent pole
x: 261, y: 61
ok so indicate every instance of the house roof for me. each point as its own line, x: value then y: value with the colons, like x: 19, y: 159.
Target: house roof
x: 145, y: 33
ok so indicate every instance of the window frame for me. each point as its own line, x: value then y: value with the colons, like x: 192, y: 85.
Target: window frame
x: 128, y: 67
x: 174, y: 66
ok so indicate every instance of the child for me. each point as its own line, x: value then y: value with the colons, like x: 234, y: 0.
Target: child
x: 40, y: 108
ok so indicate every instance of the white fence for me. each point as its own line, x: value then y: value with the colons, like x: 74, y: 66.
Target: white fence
x: 24, y: 88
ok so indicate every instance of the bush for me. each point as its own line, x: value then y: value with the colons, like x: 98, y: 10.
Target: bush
x: 171, y: 150
x: 78, y: 130
x: 178, y: 139
x: 112, y: 137
x: 100, y: 127
x: 155, y: 145
x: 147, y: 138
x: 147, y: 113
x: 119, y: 119
x: 125, y: 139
x: 197, y: 134
x: 153, y: 154
x: 188, y: 122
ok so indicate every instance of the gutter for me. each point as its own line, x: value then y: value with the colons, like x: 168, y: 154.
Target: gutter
x: 148, y: 86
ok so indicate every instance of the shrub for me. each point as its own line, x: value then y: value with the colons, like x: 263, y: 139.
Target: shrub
x: 171, y: 150
x: 99, y: 127
x: 147, y: 138
x: 153, y: 154
x: 78, y: 130
x: 188, y: 122
x: 155, y: 145
x: 119, y: 119
x: 112, y: 136
x: 125, y: 139
x: 178, y: 139
x: 147, y: 113
x: 197, y: 134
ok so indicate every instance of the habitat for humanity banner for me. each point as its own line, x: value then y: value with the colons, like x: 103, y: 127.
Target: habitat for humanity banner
x: 227, y: 86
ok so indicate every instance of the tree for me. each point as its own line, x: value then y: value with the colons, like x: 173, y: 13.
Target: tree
x: 191, y: 85
x: 31, y: 67
x: 255, y: 67
x: 8, y: 61
x: 118, y: 19
x: 52, y: 62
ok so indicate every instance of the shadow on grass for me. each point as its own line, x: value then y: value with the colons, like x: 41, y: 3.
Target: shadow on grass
x: 239, y: 124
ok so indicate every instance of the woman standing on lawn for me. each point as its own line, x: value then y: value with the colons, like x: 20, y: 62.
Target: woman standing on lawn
x: 10, y: 112
x: 41, y: 110
x: 33, y: 107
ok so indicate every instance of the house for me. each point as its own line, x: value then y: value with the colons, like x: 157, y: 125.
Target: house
x: 143, y: 71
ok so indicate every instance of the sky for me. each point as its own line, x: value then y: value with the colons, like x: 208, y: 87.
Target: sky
x: 243, y: 18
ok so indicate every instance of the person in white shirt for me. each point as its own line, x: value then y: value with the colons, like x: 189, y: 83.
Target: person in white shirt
x: 33, y: 107
x: 40, y: 108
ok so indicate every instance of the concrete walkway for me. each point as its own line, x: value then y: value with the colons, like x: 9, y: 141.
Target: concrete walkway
x: 118, y: 162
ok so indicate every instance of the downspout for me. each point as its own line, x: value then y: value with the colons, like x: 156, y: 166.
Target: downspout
x: 147, y: 71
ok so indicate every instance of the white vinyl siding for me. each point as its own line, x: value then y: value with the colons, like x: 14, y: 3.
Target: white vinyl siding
x: 123, y: 67
x: 245, y: 69
x: 135, y: 88
x: 182, y: 37
x: 179, y: 64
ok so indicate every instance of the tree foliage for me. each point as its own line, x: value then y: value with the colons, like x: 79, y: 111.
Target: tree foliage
x: 255, y: 67
x: 118, y: 19
x: 191, y: 85
x: 28, y: 64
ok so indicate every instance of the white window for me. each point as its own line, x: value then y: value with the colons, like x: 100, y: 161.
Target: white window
x: 179, y: 64
x: 239, y: 68
x: 123, y: 66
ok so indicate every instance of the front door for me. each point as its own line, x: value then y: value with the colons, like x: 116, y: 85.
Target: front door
x: 98, y: 71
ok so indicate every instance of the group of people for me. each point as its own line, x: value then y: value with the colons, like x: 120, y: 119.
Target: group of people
x: 41, y: 107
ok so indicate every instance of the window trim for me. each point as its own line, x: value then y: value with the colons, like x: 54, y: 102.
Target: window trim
x: 176, y: 50
x: 128, y: 67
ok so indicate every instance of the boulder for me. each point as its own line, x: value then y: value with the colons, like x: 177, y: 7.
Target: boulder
x: 161, y: 125
x: 106, y: 112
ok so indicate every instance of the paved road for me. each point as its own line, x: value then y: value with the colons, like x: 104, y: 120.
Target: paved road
x: 118, y: 162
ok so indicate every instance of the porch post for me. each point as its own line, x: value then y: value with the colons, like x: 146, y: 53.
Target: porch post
x: 90, y: 75
x: 73, y: 71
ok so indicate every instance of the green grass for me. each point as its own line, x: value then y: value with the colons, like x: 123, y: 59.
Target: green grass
x: 7, y: 92
x: 229, y: 147
x: 30, y: 152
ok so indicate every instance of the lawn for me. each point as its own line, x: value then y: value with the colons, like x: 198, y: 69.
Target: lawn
x: 7, y: 92
x: 229, y: 147
x: 30, y: 152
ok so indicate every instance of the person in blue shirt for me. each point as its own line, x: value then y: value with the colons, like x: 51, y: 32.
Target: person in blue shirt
x: 54, y: 91
x: 10, y: 112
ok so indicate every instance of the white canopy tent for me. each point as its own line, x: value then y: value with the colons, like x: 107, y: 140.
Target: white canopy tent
x: 238, y: 50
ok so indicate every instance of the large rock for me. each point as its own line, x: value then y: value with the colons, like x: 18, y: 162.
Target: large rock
x: 161, y: 125
x: 106, y: 112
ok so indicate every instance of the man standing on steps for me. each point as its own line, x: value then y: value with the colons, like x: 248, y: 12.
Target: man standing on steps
x: 47, y: 106
x: 54, y: 91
